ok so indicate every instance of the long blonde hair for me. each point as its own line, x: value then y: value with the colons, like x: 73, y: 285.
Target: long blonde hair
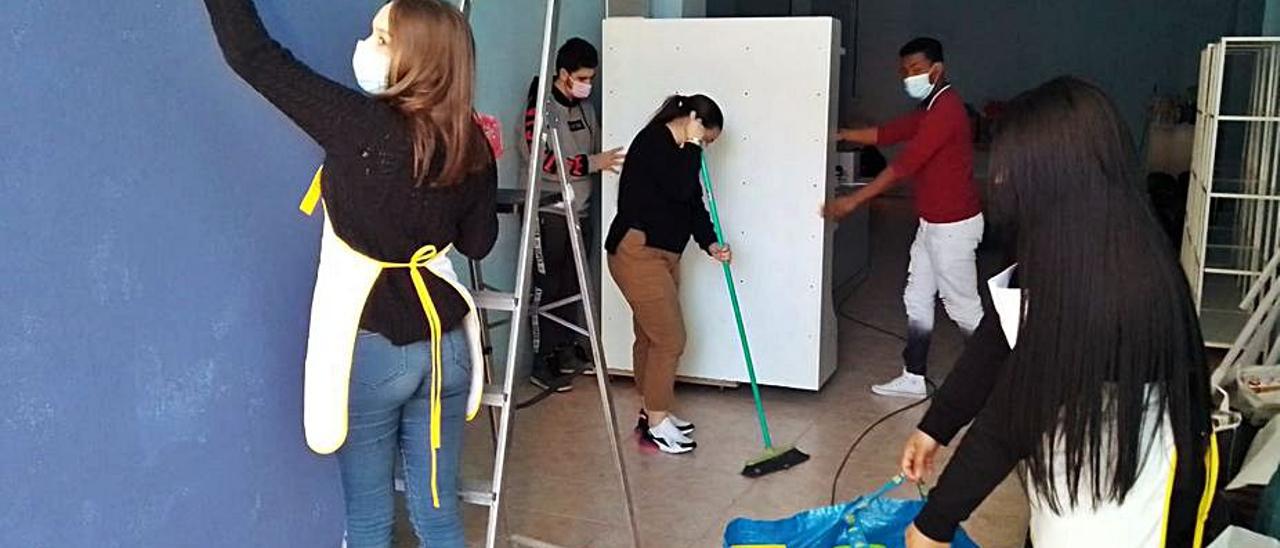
x: 433, y: 85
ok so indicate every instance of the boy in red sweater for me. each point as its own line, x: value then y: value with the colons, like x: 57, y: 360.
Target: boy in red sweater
x: 939, y: 157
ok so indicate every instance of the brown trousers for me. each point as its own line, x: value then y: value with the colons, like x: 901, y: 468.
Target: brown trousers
x: 650, y: 281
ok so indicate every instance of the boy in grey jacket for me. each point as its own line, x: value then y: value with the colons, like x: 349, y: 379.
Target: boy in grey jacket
x: 572, y: 114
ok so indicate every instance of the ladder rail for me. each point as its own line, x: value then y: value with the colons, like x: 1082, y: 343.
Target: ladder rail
x: 597, y: 351
x: 524, y: 266
x: 523, y: 309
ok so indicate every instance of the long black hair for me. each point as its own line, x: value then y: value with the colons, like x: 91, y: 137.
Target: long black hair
x: 679, y: 106
x: 1110, y: 333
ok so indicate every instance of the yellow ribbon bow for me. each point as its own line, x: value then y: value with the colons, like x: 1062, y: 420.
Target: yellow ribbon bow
x: 420, y: 260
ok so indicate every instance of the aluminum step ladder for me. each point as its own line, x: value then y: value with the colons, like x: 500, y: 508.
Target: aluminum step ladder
x: 498, y: 396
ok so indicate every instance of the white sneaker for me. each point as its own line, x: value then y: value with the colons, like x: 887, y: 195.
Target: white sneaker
x: 669, y: 438
x: 907, y: 385
x: 685, y: 426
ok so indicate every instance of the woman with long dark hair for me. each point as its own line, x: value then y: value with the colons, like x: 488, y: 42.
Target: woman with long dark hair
x: 659, y: 208
x: 408, y: 175
x: 1089, y: 373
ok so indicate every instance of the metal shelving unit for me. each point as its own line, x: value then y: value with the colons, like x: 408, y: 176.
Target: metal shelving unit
x: 1233, y: 203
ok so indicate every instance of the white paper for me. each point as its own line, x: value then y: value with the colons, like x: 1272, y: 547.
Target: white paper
x: 1008, y: 303
x: 1263, y: 457
x: 1236, y: 537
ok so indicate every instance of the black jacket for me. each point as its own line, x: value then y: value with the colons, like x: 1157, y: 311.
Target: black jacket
x: 369, y: 189
x: 986, y: 455
x: 660, y: 194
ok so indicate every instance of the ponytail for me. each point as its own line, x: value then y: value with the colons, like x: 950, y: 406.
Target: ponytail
x: 679, y: 106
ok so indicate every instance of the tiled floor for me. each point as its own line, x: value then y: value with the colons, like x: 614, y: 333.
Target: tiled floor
x: 562, y: 489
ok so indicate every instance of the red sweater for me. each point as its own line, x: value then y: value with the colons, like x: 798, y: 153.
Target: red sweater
x: 939, y: 156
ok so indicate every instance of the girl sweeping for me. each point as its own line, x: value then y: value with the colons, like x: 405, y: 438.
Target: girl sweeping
x: 408, y: 175
x: 1088, y: 376
x: 659, y: 207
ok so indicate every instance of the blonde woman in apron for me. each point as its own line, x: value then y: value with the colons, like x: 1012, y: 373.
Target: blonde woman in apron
x: 1087, y: 375
x: 408, y: 177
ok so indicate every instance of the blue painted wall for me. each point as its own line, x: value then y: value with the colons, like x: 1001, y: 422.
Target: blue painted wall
x: 157, y: 276
x: 1271, y: 21
x: 997, y: 48
x: 156, y: 281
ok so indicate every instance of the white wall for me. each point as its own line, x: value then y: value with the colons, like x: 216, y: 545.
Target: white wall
x: 770, y: 173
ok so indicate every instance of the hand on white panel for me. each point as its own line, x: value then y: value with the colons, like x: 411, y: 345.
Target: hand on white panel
x: 609, y: 160
x: 839, y: 208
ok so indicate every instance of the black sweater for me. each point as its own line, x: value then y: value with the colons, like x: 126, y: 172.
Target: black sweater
x: 370, y: 193
x: 660, y: 194
x: 986, y: 455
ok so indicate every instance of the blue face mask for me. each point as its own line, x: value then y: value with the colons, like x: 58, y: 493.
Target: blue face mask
x: 918, y: 87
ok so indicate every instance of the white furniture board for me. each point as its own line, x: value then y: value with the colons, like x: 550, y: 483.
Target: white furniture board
x: 776, y: 79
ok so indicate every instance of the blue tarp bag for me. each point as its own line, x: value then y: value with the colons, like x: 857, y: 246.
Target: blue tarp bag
x: 872, y: 521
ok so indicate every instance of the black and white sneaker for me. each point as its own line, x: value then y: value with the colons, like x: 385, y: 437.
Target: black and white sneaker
x: 546, y: 377
x: 684, y: 426
x: 574, y: 359
x: 669, y: 439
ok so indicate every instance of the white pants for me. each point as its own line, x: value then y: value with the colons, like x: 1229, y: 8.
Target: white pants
x: 943, y: 262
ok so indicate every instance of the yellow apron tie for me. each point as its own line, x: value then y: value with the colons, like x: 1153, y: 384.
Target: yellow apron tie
x: 309, y: 201
x: 1211, y: 465
x: 1210, y: 486
x: 420, y: 260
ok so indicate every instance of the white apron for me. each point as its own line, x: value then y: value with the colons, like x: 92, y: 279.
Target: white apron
x: 343, y: 282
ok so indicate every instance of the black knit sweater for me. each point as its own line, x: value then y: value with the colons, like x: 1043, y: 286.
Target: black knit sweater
x: 370, y: 193
x: 659, y: 194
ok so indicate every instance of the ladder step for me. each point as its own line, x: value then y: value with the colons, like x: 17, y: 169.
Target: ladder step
x: 494, y: 396
x: 493, y: 300
x: 477, y: 492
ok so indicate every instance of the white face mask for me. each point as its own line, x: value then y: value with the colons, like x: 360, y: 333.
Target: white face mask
x: 372, y: 67
x: 580, y: 90
x: 918, y: 87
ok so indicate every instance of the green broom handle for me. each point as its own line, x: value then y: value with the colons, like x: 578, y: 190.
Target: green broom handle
x: 737, y: 309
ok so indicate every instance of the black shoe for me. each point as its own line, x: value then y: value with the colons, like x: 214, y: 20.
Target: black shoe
x: 545, y: 376
x: 552, y: 381
x: 582, y: 353
x: 573, y: 360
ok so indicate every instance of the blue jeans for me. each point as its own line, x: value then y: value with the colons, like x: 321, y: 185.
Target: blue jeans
x: 388, y: 416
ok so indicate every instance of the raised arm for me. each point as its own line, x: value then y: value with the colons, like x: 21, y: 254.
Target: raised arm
x: 323, y: 108
x: 928, y: 131
x: 901, y: 129
x: 862, y: 136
